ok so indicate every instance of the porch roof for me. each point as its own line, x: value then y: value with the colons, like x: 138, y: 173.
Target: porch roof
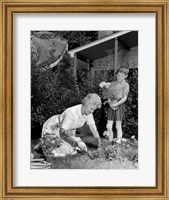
x: 99, y: 48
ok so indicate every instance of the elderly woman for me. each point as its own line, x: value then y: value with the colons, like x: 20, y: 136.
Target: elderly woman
x: 62, y: 128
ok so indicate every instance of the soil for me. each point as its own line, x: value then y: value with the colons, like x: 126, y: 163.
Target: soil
x: 108, y: 156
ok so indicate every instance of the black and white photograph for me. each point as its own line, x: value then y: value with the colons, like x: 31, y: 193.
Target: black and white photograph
x: 84, y: 99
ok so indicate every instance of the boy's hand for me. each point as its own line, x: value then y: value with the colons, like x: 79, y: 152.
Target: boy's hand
x: 113, y: 106
x: 118, y: 96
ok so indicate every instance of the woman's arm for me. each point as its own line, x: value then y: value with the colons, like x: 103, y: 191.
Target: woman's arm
x: 66, y: 125
x: 71, y: 136
x: 95, y: 133
x: 92, y: 126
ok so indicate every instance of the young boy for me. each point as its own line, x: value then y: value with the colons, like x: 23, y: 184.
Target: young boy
x: 120, y: 89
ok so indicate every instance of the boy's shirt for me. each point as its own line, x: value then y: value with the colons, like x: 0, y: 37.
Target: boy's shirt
x: 118, y: 89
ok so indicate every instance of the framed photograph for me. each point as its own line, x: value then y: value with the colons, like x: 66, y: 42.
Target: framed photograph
x: 84, y: 99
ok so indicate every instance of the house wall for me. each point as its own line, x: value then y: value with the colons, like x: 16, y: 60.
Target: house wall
x: 106, y: 63
x: 130, y: 57
x: 124, y: 56
x: 102, y: 66
x: 81, y: 64
x: 104, y: 33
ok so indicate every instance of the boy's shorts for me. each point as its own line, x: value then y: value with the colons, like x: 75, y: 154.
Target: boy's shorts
x: 116, y: 115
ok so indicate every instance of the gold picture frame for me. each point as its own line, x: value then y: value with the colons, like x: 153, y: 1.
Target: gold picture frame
x: 8, y: 8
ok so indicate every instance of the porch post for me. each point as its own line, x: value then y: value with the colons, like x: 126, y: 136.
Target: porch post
x: 75, y: 65
x: 75, y: 70
x: 116, y: 54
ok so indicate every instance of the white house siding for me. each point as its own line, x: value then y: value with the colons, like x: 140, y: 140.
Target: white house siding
x: 104, y: 33
x: 104, y: 63
x: 124, y: 56
x: 130, y: 57
x: 81, y: 64
x: 102, y: 66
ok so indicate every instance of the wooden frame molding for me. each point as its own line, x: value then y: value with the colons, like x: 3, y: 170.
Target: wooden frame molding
x: 10, y: 7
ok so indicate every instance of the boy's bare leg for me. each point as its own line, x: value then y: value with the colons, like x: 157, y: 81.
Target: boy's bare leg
x: 119, y: 130
x: 109, y: 127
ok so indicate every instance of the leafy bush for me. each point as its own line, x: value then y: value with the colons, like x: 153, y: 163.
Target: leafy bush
x: 130, y: 124
x: 88, y: 84
x: 77, y: 38
x: 53, y: 91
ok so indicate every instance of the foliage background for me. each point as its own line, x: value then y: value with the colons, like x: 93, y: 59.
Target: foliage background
x: 54, y: 90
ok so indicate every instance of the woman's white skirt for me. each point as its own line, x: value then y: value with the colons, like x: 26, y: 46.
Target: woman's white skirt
x: 52, y: 143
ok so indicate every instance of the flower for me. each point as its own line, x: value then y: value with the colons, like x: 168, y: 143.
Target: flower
x: 106, y: 133
x: 104, y: 84
x: 123, y: 140
x: 108, y: 92
x: 133, y: 137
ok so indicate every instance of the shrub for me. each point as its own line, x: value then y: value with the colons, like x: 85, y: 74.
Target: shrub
x: 130, y: 123
x: 52, y: 91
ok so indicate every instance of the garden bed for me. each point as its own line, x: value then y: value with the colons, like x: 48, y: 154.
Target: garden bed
x: 108, y: 156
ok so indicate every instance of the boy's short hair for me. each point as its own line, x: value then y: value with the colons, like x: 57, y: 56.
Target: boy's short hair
x: 123, y: 70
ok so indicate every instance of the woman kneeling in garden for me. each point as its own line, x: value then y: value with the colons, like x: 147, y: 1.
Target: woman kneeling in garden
x: 58, y: 133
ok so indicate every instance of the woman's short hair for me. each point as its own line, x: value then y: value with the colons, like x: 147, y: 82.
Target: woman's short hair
x: 93, y: 99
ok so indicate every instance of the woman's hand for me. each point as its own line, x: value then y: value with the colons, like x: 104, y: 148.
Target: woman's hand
x: 99, y: 142
x: 82, y: 146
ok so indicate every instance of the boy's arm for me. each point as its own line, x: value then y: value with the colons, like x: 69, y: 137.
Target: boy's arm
x: 121, y: 101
